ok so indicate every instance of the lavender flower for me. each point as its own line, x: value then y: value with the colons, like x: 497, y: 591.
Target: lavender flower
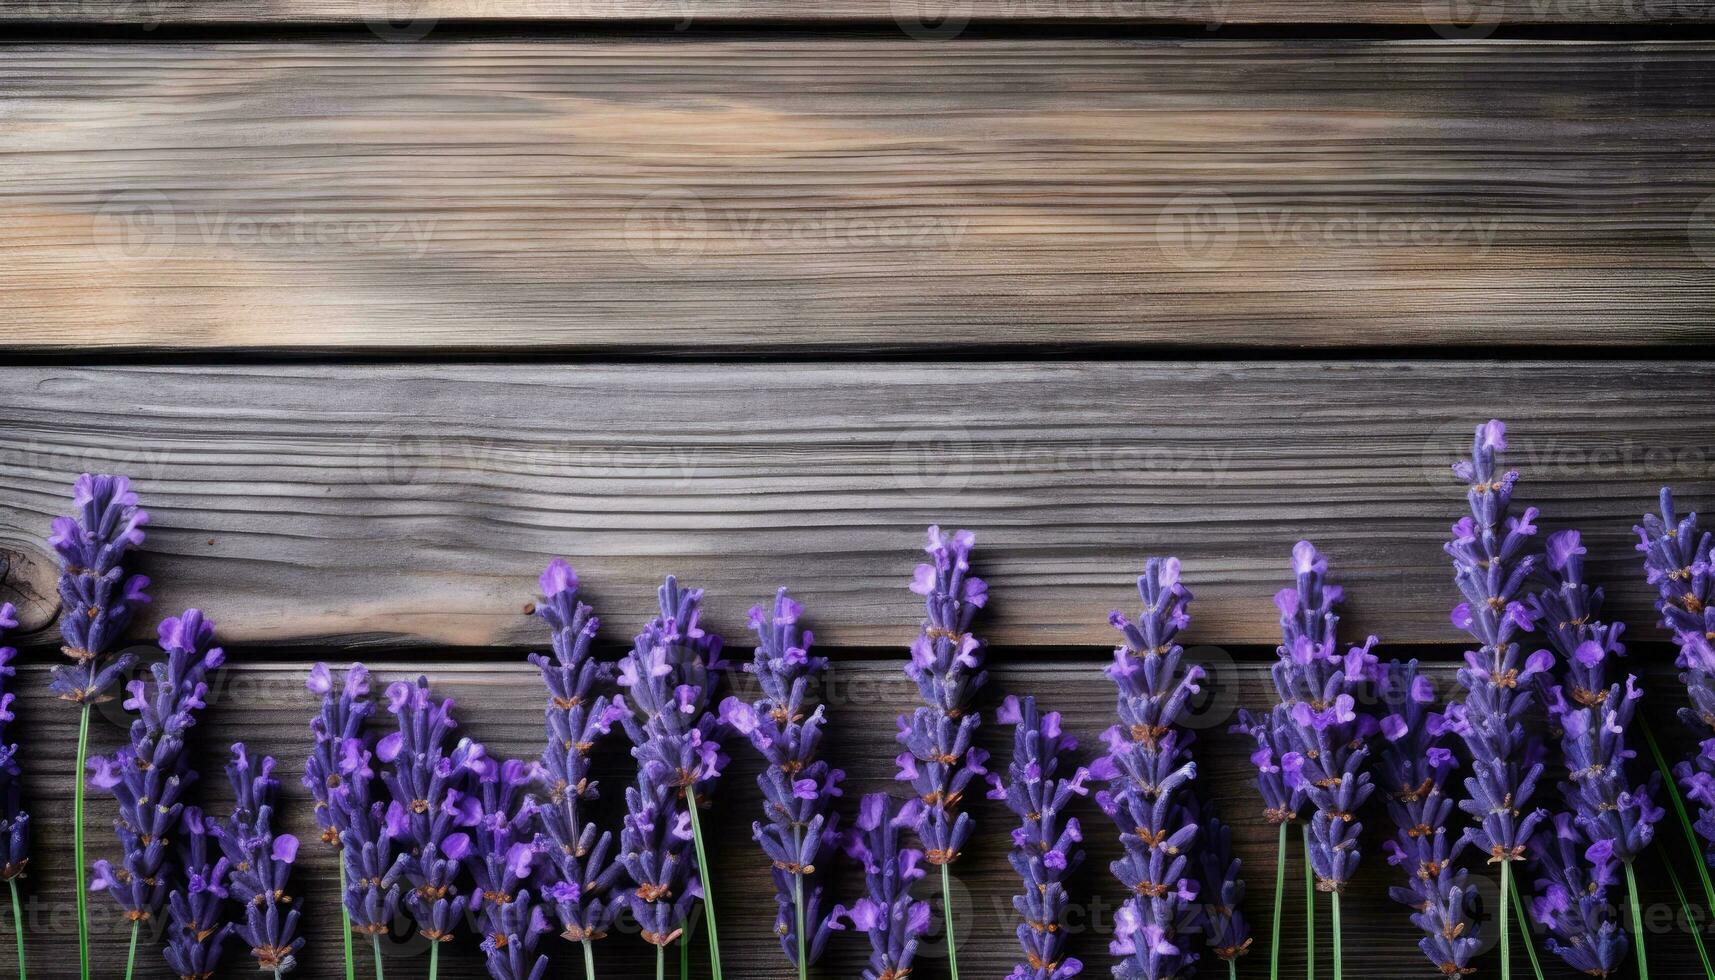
x: 1592, y: 715
x: 372, y: 865
x: 583, y: 869
x: 1491, y: 568
x: 150, y: 774
x: 947, y: 667
x: 505, y: 864
x: 1320, y: 689
x: 1148, y: 770
x: 1044, y: 852
x: 670, y: 675
x: 798, y: 789
x: 1677, y: 560
x: 1225, y: 930
x: 340, y: 720
x: 893, y: 920
x: 1282, y: 798
x: 14, y: 822
x: 261, y: 863
x: 1572, y: 898
x: 1413, y: 765
x: 97, y: 595
x: 197, y: 928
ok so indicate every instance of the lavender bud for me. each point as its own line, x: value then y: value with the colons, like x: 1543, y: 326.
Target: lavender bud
x: 505, y: 862
x: 1226, y: 933
x: 887, y: 913
x: 14, y: 822
x: 97, y: 594
x: 261, y: 863
x: 197, y: 927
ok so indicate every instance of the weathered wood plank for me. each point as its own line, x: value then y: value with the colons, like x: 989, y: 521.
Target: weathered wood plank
x: 924, y: 19
x: 416, y: 504
x: 833, y: 193
x: 265, y: 706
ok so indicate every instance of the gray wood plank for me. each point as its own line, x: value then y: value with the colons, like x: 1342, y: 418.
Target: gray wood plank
x: 411, y: 505
x: 838, y: 193
x: 264, y: 705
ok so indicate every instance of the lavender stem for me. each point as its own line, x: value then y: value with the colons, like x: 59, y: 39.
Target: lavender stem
x: 589, y: 961
x: 1336, y: 898
x: 345, y: 920
x: 1279, y: 901
x: 660, y: 962
x: 131, y: 957
x: 1309, y: 910
x: 1637, y: 920
x: 1524, y: 927
x: 1506, y: 948
x: 947, y: 911
x: 798, y: 900
x: 434, y: 959
x: 703, y: 876
x: 1678, y: 807
x: 375, y: 942
x: 77, y: 844
x: 18, y: 926
x: 1685, y: 907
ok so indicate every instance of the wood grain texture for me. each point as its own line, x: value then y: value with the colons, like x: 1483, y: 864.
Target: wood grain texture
x: 265, y: 706
x: 923, y: 19
x: 827, y: 193
x: 407, y: 505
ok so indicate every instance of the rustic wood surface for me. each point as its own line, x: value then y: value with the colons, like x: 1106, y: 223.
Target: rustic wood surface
x: 396, y: 506
x: 716, y: 194
x: 264, y: 705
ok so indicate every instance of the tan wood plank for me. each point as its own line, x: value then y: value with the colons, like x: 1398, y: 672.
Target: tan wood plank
x: 404, y: 505
x: 836, y: 193
x: 264, y: 705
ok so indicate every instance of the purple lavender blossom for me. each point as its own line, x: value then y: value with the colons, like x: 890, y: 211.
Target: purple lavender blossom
x: 261, y: 863
x: 893, y: 920
x: 14, y: 822
x: 1572, y: 897
x: 505, y: 864
x: 1149, y: 771
x: 583, y: 869
x: 670, y: 674
x: 197, y: 924
x: 428, y: 785
x: 150, y: 775
x: 1320, y: 689
x: 97, y: 595
x: 340, y: 720
x: 947, y: 666
x: 1677, y: 560
x: 798, y: 789
x: 1225, y: 931
x: 1044, y: 850
x: 1413, y: 765
x: 1491, y: 568
x: 1272, y: 732
x: 1591, y: 714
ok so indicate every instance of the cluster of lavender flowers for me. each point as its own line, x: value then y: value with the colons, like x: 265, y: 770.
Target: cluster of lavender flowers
x: 669, y: 675
x: 798, y: 789
x: 1677, y: 561
x: 947, y: 666
x: 1413, y: 765
x: 1572, y: 897
x: 14, y: 821
x: 575, y: 721
x: 1149, y: 771
x: 197, y: 928
x: 1320, y: 689
x: 893, y: 920
x: 98, y: 596
x: 1491, y: 567
x: 150, y: 775
x: 506, y: 865
x: 1222, y: 889
x: 261, y: 863
x: 1044, y: 850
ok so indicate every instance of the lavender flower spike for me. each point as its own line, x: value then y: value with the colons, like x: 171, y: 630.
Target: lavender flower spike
x: 1044, y: 851
x: 372, y: 865
x: 1148, y: 771
x: 1573, y: 902
x: 575, y: 719
x: 261, y: 863
x: 1412, y: 766
x: 14, y: 822
x: 798, y: 789
x: 505, y: 863
x: 150, y: 774
x: 197, y: 928
x: 338, y: 723
x: 1225, y: 931
x: 893, y: 920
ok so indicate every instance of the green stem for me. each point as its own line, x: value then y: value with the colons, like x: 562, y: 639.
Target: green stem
x: 131, y: 957
x: 18, y: 925
x: 345, y: 920
x: 1679, y: 808
x: 1524, y: 930
x: 1233, y: 969
x: 1637, y: 921
x: 947, y: 912
x: 1506, y: 946
x: 375, y: 941
x: 434, y: 959
x: 589, y: 961
x: 798, y: 900
x: 685, y: 955
x: 703, y: 875
x: 77, y: 844
x: 1336, y: 899
x: 1279, y: 901
x: 660, y: 963
x: 1690, y: 923
x: 1309, y: 911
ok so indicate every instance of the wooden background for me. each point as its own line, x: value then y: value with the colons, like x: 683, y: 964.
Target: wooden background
x: 384, y: 304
